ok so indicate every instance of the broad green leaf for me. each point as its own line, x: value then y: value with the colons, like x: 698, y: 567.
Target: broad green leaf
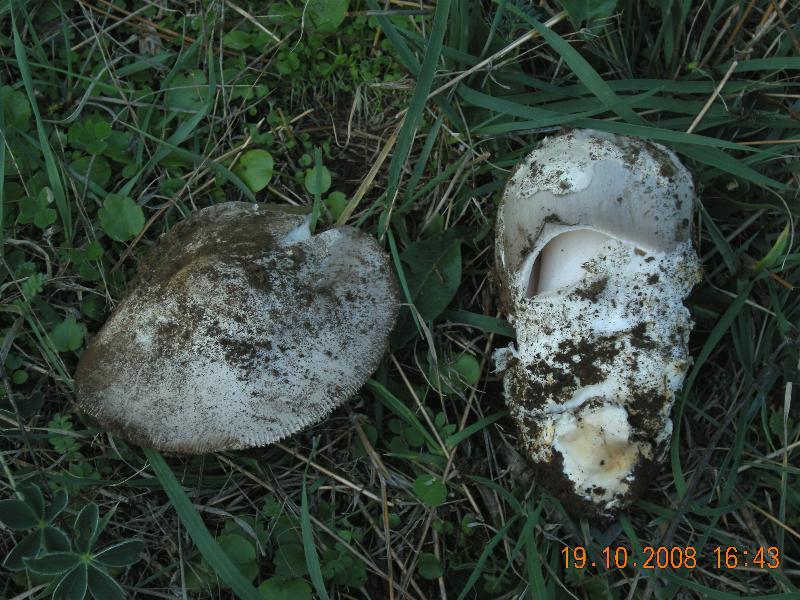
x: 85, y: 529
x: 430, y: 490
x: 121, y: 554
x: 336, y: 203
x: 317, y: 184
x: 118, y: 147
x: 34, y: 498
x: 55, y: 540
x: 73, y: 585
x: 458, y: 375
x: 53, y: 564
x: 103, y: 587
x: 58, y: 504
x: 289, y: 560
x: 120, y: 217
x: 588, y: 11
x: 255, y: 169
x: 238, y: 549
x: 17, y: 515
x: 188, y: 91
x: 32, y: 286
x: 326, y: 15
x: 285, y: 588
x: 16, y: 109
x: 96, y: 169
x: 237, y: 40
x: 28, y: 546
x: 433, y: 272
x: 241, y: 552
x: 429, y: 566
x: 68, y: 335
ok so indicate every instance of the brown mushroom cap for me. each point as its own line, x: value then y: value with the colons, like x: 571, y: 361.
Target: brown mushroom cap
x: 240, y: 330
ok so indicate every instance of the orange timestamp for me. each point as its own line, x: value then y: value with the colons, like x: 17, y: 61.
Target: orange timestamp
x: 673, y: 557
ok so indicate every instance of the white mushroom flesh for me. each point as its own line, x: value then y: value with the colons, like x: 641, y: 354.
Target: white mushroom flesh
x: 595, y: 262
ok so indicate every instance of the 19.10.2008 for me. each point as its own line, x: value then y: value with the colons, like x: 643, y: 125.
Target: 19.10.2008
x: 673, y: 557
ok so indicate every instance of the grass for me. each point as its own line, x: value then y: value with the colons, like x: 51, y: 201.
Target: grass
x: 418, y: 111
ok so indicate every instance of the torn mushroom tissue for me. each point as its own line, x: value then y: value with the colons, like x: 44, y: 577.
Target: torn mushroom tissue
x: 602, y: 331
x: 593, y: 339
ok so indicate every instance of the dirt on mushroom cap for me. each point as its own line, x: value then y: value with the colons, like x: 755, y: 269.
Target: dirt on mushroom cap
x: 604, y: 354
x: 237, y: 334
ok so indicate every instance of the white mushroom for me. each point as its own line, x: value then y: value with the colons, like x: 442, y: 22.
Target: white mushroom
x: 241, y: 329
x: 595, y: 258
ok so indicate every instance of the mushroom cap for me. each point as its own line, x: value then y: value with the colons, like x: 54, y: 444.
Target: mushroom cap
x: 241, y: 329
x: 623, y: 187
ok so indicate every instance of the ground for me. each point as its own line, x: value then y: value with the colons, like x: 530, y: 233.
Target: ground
x: 403, y: 118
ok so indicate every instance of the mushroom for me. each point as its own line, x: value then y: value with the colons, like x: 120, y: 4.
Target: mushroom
x: 241, y: 329
x: 595, y: 258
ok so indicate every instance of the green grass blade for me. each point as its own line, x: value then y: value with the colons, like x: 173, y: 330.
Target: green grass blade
x: 536, y: 585
x: 504, y: 106
x: 712, y: 594
x: 719, y: 240
x: 51, y: 166
x: 585, y: 72
x: 310, y: 549
x: 487, y: 551
x: 419, y: 98
x: 422, y: 160
x: 716, y: 335
x: 206, y: 544
x: 392, y: 34
x: 2, y: 180
x: 401, y: 410
x: 500, y: 491
x: 457, y: 438
x: 482, y: 322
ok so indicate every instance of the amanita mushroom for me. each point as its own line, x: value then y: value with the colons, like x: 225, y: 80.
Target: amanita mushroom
x: 595, y: 258
x: 241, y: 329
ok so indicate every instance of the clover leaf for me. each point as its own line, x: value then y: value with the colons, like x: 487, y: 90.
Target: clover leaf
x: 326, y: 15
x: 68, y: 335
x: 255, y: 169
x: 317, y: 183
x: 430, y: 490
x: 35, y: 209
x: 121, y: 218
x: 90, y: 134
